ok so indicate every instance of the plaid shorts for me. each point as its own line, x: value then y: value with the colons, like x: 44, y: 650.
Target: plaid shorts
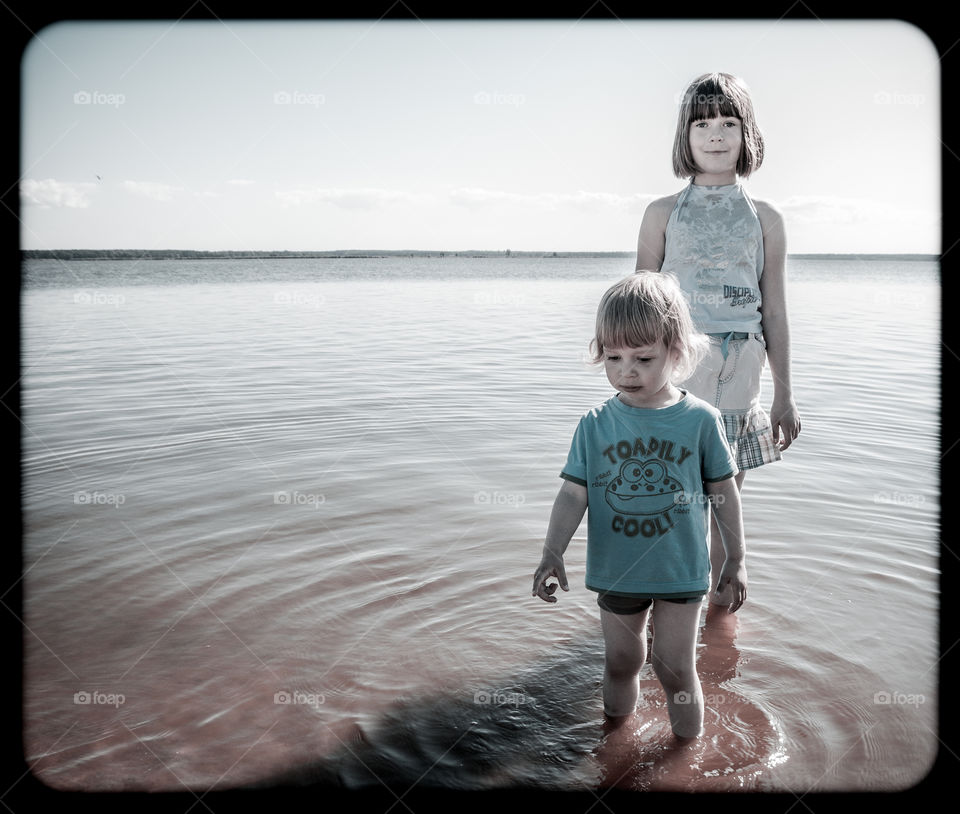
x: 750, y: 436
x: 731, y: 383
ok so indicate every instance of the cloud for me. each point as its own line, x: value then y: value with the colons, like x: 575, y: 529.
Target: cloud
x: 478, y: 197
x: 151, y: 189
x: 240, y: 182
x: 51, y: 193
x: 834, y: 210
x: 470, y: 197
x: 475, y: 197
x: 345, y: 198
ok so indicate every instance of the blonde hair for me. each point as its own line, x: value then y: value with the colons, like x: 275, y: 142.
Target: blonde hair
x: 708, y: 97
x: 648, y: 308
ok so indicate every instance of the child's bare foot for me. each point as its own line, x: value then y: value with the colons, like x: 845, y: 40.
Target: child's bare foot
x: 719, y: 618
x: 611, y: 723
x: 680, y: 741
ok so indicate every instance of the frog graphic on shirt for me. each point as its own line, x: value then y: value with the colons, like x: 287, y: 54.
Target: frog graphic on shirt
x: 643, y: 487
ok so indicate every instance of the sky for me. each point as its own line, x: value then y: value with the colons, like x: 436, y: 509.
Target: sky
x: 461, y: 135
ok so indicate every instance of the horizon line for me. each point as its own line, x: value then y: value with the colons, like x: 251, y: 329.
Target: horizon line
x: 441, y: 252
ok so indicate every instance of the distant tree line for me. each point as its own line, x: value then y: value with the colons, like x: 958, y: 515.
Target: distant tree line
x: 190, y: 254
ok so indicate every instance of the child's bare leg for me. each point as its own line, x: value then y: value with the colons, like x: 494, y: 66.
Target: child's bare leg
x: 625, y: 640
x: 674, y: 658
x: 717, y: 554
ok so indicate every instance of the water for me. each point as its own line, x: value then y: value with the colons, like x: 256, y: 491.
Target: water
x: 281, y: 521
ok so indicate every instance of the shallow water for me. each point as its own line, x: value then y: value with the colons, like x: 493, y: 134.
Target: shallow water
x: 281, y: 520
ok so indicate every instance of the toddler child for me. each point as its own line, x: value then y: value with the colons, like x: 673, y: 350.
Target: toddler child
x: 644, y: 465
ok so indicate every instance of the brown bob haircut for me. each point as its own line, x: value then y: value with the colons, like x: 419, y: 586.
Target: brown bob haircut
x: 708, y: 97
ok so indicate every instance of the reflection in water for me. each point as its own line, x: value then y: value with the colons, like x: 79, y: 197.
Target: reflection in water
x: 533, y: 728
x: 544, y: 727
x: 739, y: 739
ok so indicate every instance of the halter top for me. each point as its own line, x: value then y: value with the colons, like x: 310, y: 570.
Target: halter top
x: 714, y: 250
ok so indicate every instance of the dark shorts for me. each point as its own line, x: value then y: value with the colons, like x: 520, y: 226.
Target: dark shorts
x: 625, y: 605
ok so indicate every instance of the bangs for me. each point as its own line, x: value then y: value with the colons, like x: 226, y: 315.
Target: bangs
x: 631, y: 330
x: 710, y: 101
x: 629, y: 322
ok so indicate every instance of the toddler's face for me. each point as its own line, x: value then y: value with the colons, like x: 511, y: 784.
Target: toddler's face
x: 641, y: 375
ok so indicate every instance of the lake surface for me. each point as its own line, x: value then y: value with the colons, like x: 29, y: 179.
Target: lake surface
x: 282, y: 516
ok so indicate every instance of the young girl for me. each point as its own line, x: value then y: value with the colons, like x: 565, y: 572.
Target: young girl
x: 642, y: 462
x: 727, y: 252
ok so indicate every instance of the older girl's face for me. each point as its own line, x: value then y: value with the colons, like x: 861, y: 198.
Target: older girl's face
x: 715, y: 145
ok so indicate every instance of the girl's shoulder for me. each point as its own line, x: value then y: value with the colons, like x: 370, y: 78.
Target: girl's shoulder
x: 666, y: 203
x: 772, y: 226
x: 768, y: 213
x: 658, y: 210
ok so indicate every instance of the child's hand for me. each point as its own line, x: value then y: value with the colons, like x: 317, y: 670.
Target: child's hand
x: 785, y: 420
x: 732, y: 584
x: 550, y: 566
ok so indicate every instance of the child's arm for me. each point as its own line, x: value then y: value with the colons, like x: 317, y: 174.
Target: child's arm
x: 725, y: 502
x: 568, y: 509
x: 653, y: 230
x: 776, y: 327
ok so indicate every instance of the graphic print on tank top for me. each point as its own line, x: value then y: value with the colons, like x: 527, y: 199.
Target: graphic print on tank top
x: 714, y: 249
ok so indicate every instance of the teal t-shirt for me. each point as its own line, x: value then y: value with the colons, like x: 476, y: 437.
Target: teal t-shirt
x: 648, y: 519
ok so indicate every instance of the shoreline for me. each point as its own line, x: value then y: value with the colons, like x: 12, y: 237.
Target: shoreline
x: 366, y: 254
